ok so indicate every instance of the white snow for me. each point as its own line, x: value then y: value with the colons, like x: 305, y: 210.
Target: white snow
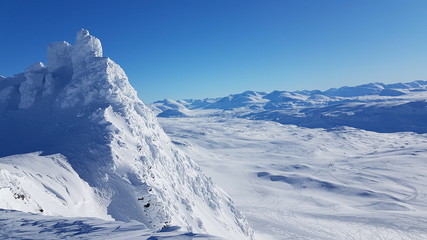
x: 59, y: 55
x: 367, y: 106
x: 85, y: 49
x: 90, y: 114
x: 77, y: 142
x: 46, y: 185
x: 19, y: 225
x: 300, y: 183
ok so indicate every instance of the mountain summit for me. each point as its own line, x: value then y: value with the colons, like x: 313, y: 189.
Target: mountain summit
x: 77, y: 141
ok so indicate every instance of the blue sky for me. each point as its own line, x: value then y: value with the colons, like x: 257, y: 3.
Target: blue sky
x: 211, y: 48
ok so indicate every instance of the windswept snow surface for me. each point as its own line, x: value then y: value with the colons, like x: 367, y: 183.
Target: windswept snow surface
x: 20, y: 225
x: 47, y: 185
x: 80, y: 114
x: 301, y: 183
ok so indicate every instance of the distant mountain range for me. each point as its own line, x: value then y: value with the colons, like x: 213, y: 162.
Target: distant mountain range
x: 375, y: 107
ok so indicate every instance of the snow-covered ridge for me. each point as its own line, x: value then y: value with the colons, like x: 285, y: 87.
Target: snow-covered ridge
x: 365, y: 106
x: 82, y: 106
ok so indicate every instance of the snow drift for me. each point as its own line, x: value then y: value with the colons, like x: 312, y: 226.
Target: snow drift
x: 112, y: 150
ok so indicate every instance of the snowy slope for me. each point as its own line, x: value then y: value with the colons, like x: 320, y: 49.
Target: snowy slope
x: 375, y: 107
x: 301, y: 183
x: 47, y: 185
x: 82, y: 106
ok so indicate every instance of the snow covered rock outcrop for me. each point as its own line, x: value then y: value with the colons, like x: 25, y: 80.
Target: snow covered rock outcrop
x: 82, y: 106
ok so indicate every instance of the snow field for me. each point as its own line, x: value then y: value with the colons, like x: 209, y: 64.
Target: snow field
x: 300, y: 183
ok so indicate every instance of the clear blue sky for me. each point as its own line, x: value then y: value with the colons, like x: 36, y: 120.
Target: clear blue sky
x: 210, y: 48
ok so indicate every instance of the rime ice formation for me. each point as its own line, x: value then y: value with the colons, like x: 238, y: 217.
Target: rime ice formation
x: 33, y: 84
x: 82, y: 106
x: 85, y: 50
x: 59, y: 55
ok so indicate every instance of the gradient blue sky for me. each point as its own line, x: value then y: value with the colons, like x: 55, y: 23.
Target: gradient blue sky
x: 210, y: 48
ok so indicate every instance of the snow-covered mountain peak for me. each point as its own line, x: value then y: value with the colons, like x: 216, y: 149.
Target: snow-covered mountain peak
x: 83, y: 107
x: 76, y: 75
